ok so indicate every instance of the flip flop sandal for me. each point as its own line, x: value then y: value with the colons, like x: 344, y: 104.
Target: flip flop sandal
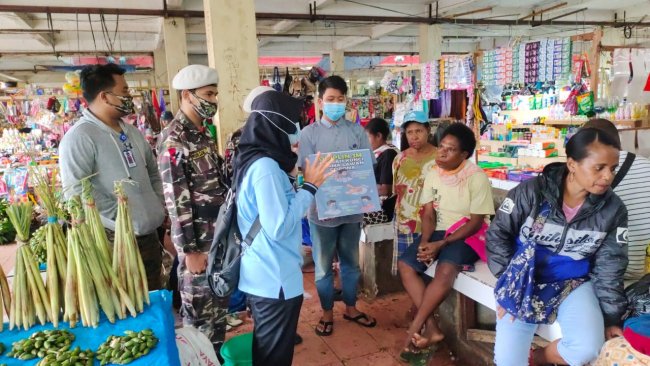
x: 415, y: 356
x: 357, y: 319
x: 325, y: 326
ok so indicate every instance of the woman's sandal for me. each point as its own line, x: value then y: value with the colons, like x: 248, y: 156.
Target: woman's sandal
x: 328, y: 328
x: 356, y: 319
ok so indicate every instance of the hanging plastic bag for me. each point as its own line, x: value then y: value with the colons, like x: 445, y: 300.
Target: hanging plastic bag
x: 194, y: 348
x: 276, y: 79
x: 288, y: 80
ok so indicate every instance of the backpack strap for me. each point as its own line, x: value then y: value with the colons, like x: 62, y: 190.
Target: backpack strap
x: 252, y: 233
x: 627, y: 164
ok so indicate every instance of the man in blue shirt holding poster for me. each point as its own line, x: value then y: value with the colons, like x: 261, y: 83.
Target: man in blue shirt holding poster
x: 338, y: 235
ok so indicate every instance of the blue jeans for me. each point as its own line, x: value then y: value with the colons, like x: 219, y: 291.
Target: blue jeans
x: 344, y: 241
x: 583, y: 332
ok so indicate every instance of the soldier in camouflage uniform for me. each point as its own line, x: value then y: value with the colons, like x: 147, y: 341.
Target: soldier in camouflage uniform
x: 194, y: 190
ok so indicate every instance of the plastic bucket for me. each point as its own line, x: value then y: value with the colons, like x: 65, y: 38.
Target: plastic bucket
x: 238, y: 351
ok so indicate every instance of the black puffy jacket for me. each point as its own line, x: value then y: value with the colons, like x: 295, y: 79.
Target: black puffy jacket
x: 597, y: 232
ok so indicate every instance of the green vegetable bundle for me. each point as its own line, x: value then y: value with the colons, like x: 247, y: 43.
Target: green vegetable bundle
x: 55, y: 244
x: 30, y: 299
x: 5, y: 301
x: 94, y: 220
x: 91, y: 281
x: 127, y: 262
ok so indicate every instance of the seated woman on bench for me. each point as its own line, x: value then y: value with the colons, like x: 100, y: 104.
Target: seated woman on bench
x: 456, y: 199
x: 558, y: 246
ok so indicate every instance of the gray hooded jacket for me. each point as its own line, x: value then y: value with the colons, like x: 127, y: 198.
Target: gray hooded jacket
x: 92, y: 147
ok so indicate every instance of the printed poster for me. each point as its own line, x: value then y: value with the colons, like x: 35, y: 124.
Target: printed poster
x: 352, y: 190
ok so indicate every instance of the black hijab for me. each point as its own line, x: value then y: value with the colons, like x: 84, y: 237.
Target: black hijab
x: 260, y: 138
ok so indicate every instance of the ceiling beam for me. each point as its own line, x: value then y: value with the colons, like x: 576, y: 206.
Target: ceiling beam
x: 542, y: 11
x: 375, y: 32
x: 284, y: 26
x: 25, y: 21
x: 89, y: 53
x: 308, y: 17
x: 174, y: 4
x: 348, y: 42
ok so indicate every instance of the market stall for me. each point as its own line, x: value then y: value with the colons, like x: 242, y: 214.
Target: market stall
x: 79, y: 297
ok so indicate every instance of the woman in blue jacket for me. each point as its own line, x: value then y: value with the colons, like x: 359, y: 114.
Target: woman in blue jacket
x: 270, y: 271
x: 558, y: 246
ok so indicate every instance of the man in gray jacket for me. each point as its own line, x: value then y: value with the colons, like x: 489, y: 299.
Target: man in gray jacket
x: 100, y: 144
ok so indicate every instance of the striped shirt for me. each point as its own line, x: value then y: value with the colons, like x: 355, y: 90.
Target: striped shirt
x: 635, y: 193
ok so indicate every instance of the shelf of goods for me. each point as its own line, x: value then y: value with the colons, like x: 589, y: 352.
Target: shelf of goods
x: 525, y: 161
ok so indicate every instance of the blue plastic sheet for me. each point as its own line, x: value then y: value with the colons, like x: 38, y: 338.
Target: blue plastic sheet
x: 157, y: 316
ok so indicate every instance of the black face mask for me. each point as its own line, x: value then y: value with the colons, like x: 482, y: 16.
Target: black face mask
x: 127, y: 107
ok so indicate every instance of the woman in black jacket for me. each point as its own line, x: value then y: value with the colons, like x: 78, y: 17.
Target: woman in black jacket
x: 558, y: 246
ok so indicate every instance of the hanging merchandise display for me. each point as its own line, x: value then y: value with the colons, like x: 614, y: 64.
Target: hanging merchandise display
x: 544, y: 60
x: 457, y: 72
x: 430, y: 80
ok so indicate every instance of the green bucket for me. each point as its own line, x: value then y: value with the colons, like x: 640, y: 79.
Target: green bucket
x: 238, y: 351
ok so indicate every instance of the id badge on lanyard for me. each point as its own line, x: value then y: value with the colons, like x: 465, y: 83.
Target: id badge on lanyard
x: 127, y: 152
x: 130, y: 159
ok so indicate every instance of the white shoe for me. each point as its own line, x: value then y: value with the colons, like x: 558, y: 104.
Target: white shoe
x: 233, y: 320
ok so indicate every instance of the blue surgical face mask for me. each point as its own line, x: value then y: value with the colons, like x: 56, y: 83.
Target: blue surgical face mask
x: 334, y: 111
x: 293, y: 137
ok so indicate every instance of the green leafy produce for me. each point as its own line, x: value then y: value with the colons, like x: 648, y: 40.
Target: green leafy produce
x: 41, y: 344
x: 37, y: 243
x: 77, y: 357
x: 7, y: 231
x: 122, y: 350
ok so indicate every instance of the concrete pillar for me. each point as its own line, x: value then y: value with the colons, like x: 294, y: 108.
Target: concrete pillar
x: 337, y: 62
x: 232, y: 50
x: 353, y: 85
x: 430, y: 42
x: 175, y: 53
x: 160, y: 78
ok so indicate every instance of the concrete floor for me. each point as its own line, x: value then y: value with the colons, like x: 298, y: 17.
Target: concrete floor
x: 351, y: 344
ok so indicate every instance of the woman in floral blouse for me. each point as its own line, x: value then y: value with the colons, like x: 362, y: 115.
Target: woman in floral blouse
x: 410, y: 167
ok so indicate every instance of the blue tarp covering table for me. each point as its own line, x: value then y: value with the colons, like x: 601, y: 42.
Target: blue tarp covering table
x: 157, y: 317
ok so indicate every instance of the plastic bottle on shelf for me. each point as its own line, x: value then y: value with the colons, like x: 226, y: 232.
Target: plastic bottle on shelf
x: 628, y: 111
x: 619, y: 114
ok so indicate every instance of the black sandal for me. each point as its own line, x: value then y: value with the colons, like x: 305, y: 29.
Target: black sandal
x: 325, y: 326
x: 357, y: 319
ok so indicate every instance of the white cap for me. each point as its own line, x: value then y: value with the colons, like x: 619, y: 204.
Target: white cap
x: 194, y: 77
x: 256, y: 92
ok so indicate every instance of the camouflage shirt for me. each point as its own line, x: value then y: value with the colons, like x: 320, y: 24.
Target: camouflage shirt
x: 193, y: 184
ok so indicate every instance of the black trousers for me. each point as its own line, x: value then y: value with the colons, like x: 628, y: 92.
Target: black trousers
x: 274, y: 332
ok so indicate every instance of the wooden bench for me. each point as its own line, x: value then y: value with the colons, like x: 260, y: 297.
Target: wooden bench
x: 478, y: 286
